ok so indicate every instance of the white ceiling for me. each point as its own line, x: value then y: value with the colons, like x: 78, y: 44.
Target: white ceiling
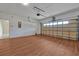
x: 49, y: 8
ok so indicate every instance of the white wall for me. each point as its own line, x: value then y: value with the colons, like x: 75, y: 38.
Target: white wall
x: 28, y: 27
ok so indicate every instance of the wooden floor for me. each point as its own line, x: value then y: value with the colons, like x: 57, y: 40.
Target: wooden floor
x: 38, y: 46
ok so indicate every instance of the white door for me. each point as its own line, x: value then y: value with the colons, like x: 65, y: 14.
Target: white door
x: 4, y: 29
x: 1, y: 32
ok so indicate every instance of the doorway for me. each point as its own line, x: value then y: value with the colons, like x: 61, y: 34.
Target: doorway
x: 4, y: 28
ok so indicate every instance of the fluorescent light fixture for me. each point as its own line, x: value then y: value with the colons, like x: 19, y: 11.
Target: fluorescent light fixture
x: 25, y: 4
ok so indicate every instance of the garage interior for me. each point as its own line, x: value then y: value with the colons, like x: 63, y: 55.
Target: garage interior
x: 39, y: 29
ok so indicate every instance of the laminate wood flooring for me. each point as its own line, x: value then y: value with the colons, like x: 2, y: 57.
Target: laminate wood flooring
x: 38, y: 46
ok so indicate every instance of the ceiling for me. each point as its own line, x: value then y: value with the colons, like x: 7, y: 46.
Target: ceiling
x: 49, y: 8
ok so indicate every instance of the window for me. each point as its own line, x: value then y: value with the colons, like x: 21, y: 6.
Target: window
x: 66, y: 22
x: 56, y: 23
x: 59, y: 23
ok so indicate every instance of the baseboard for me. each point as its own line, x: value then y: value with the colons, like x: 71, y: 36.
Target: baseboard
x: 20, y: 37
x: 60, y: 37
